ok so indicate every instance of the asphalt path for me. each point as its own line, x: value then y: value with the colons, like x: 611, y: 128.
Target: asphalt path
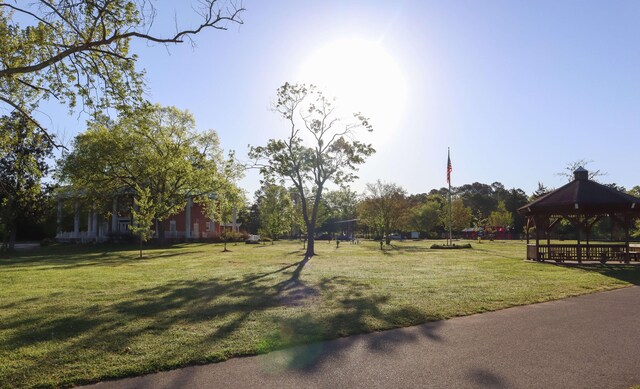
x: 590, y: 341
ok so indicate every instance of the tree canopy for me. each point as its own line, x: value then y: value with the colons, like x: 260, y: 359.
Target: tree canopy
x: 277, y: 212
x: 78, y: 52
x: 23, y: 153
x: 384, y: 208
x: 156, y: 148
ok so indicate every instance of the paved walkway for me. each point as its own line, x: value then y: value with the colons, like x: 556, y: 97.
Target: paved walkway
x: 590, y: 341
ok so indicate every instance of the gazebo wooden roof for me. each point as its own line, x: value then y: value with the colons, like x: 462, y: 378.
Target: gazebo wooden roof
x: 583, y: 202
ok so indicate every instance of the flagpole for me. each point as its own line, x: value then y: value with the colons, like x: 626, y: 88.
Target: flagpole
x: 450, y: 208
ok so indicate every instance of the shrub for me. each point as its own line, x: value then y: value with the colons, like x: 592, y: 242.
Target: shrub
x: 453, y: 246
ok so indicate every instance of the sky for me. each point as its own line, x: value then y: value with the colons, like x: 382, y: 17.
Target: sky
x: 517, y: 90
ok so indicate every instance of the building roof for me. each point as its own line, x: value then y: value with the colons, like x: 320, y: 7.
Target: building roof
x: 583, y: 196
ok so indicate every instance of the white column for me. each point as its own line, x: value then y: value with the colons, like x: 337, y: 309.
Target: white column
x: 94, y: 223
x: 188, y: 219
x: 76, y: 220
x: 114, y: 216
x: 59, y: 217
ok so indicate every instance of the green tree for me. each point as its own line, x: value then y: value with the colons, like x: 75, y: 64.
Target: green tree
x: 343, y: 203
x: 156, y: 148
x: 276, y: 211
x: 78, y: 52
x: 143, y: 214
x: 461, y: 215
x: 515, y: 199
x: 501, y: 217
x: 224, y: 206
x: 320, y: 148
x: 249, y: 216
x: 340, y: 205
x: 478, y: 197
x: 23, y: 153
x: 425, y: 217
x: 384, y: 208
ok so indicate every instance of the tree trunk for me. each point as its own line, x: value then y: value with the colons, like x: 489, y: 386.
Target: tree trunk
x: 140, y: 248
x: 310, y: 247
x: 310, y: 242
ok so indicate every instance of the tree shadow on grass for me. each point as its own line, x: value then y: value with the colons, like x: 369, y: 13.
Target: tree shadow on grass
x: 624, y: 272
x: 71, y: 256
x: 357, y: 316
x: 216, y: 313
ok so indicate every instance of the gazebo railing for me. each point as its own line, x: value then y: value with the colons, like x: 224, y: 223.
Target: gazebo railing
x: 569, y: 252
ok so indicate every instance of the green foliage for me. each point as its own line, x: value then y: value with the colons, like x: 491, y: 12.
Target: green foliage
x: 143, y: 213
x: 23, y: 153
x: 500, y: 217
x: 341, y: 204
x: 157, y: 148
x: 320, y: 148
x: 384, y: 208
x: 277, y: 213
x: 229, y: 235
x: 426, y: 217
x: 78, y: 52
x: 249, y: 216
x: 461, y: 216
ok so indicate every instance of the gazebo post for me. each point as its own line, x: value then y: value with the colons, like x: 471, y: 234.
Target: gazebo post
x: 627, y: 222
x: 579, y: 246
x: 613, y: 226
x: 587, y: 230
x: 536, y: 222
x: 547, y: 231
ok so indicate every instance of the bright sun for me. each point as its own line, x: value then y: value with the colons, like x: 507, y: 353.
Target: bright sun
x: 363, y: 77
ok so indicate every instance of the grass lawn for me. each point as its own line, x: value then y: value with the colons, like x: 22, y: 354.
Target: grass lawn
x: 79, y: 314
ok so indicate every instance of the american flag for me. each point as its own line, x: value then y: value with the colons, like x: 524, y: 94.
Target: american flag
x: 449, y: 168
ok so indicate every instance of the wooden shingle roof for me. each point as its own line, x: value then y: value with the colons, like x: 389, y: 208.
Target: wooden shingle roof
x: 583, y: 196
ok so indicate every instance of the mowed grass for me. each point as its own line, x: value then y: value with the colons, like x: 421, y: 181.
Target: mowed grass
x: 79, y: 314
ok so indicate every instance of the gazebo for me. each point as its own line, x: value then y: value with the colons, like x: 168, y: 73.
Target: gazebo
x: 583, y: 203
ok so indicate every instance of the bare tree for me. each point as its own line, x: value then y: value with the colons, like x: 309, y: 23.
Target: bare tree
x: 320, y: 148
x: 580, y: 163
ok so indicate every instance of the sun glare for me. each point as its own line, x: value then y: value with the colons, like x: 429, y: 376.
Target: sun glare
x: 363, y: 77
